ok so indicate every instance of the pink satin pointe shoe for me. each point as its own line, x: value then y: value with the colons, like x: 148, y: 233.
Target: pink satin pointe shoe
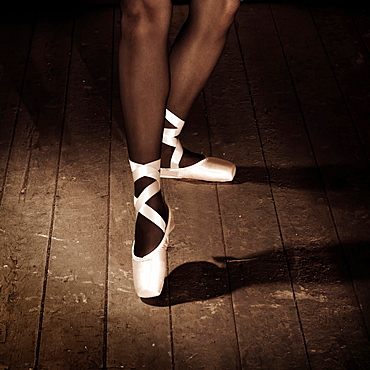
x: 150, y: 271
x: 208, y: 169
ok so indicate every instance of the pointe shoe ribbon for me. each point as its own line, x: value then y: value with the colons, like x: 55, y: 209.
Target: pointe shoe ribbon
x: 170, y: 137
x: 208, y: 169
x: 149, y: 271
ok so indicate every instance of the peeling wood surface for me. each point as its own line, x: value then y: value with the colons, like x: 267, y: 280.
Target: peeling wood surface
x: 267, y: 272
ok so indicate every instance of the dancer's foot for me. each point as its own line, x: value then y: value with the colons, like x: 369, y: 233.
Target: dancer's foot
x: 153, y: 225
x: 180, y: 163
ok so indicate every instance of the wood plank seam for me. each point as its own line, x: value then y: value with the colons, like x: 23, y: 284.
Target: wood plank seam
x: 109, y: 174
x: 321, y: 177
x: 340, y: 243
x: 340, y: 88
x: 248, y: 86
x: 48, y: 252
x: 232, y: 305
x: 18, y: 107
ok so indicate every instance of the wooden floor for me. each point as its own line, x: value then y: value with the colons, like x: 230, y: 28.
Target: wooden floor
x: 270, y: 271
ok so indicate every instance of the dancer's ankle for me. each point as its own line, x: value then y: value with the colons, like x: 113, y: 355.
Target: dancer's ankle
x: 173, y: 154
x: 166, y: 156
x: 147, y: 234
x: 188, y: 158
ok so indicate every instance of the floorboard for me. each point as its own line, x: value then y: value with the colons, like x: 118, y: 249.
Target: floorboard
x: 335, y: 145
x: 256, y: 265
x: 30, y: 178
x: 338, y: 151
x: 74, y: 303
x: 16, y: 38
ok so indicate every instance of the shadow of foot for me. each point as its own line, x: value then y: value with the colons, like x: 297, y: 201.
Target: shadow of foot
x: 200, y: 281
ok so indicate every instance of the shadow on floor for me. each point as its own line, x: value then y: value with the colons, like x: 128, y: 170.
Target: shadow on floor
x: 200, y: 281
x: 354, y: 178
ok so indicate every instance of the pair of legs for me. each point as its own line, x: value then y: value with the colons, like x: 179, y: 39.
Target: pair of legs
x: 151, y: 80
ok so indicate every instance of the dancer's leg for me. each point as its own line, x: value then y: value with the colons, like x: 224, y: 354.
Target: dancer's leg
x: 144, y: 85
x: 193, y: 57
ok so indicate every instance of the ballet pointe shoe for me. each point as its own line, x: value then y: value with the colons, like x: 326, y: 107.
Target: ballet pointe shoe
x: 149, y: 271
x: 207, y: 169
